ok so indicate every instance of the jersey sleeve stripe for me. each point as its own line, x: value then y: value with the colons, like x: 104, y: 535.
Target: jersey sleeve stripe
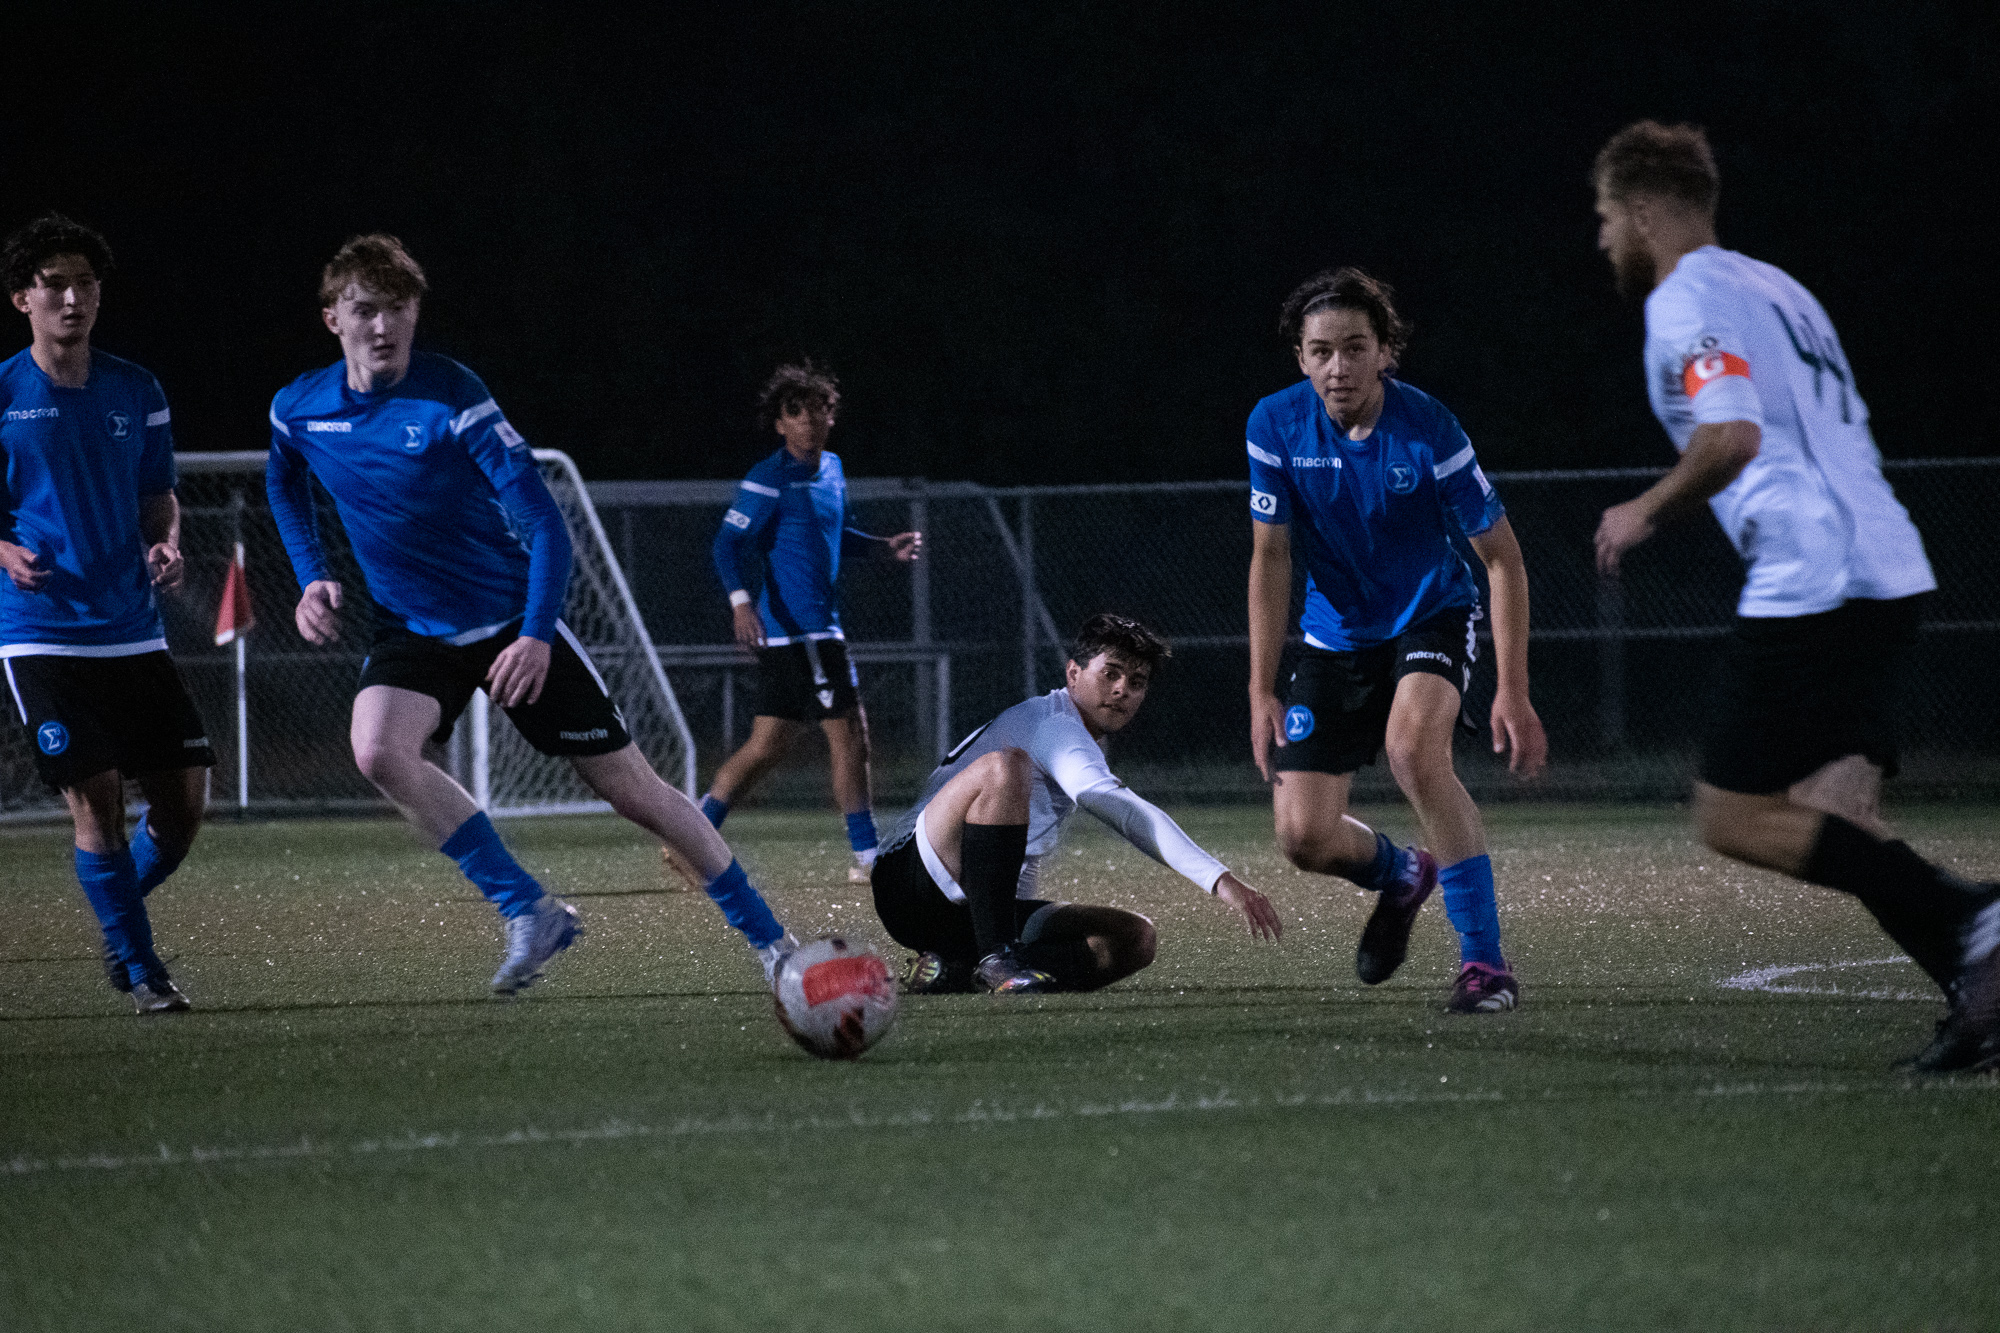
x: 756, y: 489
x: 279, y: 424
x: 159, y: 418
x: 1461, y: 459
x: 472, y: 416
x: 1264, y: 456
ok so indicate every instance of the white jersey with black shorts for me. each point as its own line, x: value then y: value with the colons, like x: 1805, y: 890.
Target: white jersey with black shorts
x: 1828, y: 609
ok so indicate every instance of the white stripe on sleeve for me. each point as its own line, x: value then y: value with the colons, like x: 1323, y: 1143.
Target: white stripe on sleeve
x: 1450, y: 465
x: 755, y: 489
x: 283, y: 429
x: 159, y: 418
x: 1264, y: 456
x: 472, y: 416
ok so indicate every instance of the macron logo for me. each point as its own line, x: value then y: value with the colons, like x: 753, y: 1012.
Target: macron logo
x: 594, y: 734
x: 1314, y: 462
x: 33, y: 413
x: 330, y: 427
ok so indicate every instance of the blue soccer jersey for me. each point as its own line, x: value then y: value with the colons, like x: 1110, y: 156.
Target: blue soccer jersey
x: 1372, y: 519
x: 449, y: 519
x: 78, y: 463
x: 793, y: 517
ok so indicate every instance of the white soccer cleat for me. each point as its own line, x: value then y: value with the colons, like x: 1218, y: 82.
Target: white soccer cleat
x: 533, y: 938
x: 774, y: 954
x: 860, y: 874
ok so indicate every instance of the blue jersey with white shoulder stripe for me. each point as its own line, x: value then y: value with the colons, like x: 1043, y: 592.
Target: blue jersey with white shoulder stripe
x: 791, y: 516
x: 78, y: 462
x: 1371, y: 519
x: 449, y: 519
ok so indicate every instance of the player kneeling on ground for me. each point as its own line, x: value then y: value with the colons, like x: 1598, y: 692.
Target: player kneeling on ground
x: 957, y: 878
x: 468, y: 560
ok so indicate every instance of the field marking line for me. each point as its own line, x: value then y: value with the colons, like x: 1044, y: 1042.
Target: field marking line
x: 980, y: 1112
x: 1760, y: 979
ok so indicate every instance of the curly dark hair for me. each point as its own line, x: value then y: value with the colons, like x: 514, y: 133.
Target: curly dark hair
x: 49, y: 235
x: 1673, y: 161
x: 1108, y: 633
x: 1347, y: 288
x: 377, y: 261
x: 793, y: 386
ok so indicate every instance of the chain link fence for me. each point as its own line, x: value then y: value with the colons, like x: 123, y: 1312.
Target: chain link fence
x: 1621, y: 672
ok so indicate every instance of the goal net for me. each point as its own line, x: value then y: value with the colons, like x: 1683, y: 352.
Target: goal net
x: 277, y: 712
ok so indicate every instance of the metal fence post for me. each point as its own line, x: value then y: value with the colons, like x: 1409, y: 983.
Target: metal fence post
x: 1028, y: 626
x: 942, y: 724
x: 728, y: 712
x: 920, y: 624
x: 1611, y: 664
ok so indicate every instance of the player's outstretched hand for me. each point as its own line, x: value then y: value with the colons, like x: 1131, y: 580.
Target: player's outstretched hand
x: 1258, y: 914
x: 906, y: 546
x: 517, y: 674
x: 1517, y: 733
x: 1267, y: 728
x: 23, y: 566
x: 318, y: 613
x: 1622, y: 528
x: 164, y: 560
x: 749, y: 626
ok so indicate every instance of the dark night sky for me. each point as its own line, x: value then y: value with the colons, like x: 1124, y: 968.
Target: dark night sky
x: 1039, y: 244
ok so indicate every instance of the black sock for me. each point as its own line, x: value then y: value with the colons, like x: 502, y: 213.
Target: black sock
x: 990, y: 857
x: 1072, y: 962
x: 1921, y: 907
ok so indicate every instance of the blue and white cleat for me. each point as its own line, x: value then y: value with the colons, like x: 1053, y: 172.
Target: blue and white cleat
x: 773, y: 956
x: 533, y: 938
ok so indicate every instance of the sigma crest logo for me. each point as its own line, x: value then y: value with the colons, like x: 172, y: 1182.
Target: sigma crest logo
x: 1402, y: 478
x: 1263, y: 502
x: 1299, y: 722
x: 52, y: 738
x: 825, y: 698
x: 413, y: 437
x: 117, y: 425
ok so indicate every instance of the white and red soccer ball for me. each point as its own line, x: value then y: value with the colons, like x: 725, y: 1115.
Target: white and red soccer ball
x: 835, y: 997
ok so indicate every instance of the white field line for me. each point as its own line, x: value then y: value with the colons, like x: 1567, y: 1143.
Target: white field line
x: 1764, y: 979
x: 979, y: 1113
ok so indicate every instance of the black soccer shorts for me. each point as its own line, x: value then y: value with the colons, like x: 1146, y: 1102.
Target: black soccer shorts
x: 1799, y: 692
x: 85, y: 715
x: 918, y: 916
x: 810, y: 680
x: 1337, y: 705
x: 573, y: 716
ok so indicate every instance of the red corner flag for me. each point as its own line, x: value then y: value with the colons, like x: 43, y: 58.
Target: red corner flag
x: 235, y: 616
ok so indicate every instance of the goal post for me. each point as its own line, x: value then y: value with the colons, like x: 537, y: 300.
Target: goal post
x: 277, y: 707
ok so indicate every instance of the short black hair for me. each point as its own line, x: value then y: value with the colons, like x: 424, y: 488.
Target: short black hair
x: 1122, y: 635
x: 1670, y: 161
x: 795, y: 385
x: 49, y: 235
x: 1346, y: 288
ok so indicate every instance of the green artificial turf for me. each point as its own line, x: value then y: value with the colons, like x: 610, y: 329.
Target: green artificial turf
x: 348, y: 1135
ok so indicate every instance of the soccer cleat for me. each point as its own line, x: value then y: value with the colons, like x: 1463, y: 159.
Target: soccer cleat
x: 1003, y: 974
x: 1969, y: 1037
x: 1484, y: 989
x: 860, y: 874
x: 533, y: 938
x: 934, y: 974
x: 158, y: 995
x: 1385, y: 940
x: 773, y: 956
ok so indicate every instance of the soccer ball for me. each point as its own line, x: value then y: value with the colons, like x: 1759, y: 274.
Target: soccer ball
x: 835, y: 997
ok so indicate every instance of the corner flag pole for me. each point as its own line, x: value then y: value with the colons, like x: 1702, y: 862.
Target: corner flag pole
x: 234, y: 620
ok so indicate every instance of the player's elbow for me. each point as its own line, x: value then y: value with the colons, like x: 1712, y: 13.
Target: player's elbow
x: 1738, y: 442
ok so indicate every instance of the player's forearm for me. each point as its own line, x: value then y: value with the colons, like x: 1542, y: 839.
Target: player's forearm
x: 1507, y: 578
x: 550, y: 554
x: 289, y: 492
x: 160, y: 519
x: 1270, y: 605
x: 727, y: 555
x: 1154, y: 832
x: 1715, y: 457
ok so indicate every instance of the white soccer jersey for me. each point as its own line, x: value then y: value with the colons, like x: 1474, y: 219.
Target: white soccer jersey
x: 1069, y: 771
x: 1732, y: 339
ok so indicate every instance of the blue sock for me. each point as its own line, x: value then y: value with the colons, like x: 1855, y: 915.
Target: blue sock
x: 149, y: 863
x: 744, y: 908
x: 112, y: 886
x: 477, y: 848
x: 716, y: 810
x: 1468, y: 901
x: 861, y: 831
x: 1381, y: 872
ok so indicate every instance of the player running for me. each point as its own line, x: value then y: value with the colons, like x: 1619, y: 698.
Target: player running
x: 958, y: 876
x: 89, y: 530
x: 790, y: 517
x: 1747, y: 376
x: 1375, y: 477
x: 467, y: 560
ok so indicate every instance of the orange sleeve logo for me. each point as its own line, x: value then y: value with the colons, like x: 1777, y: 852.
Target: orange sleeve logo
x: 1706, y: 369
